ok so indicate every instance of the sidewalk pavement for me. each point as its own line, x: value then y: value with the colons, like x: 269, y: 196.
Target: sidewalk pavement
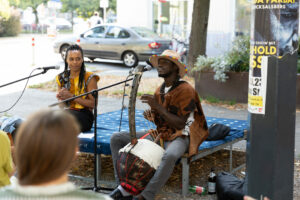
x: 34, y: 99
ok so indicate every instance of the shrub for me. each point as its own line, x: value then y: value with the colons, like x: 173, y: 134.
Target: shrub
x: 10, y: 26
x: 236, y: 59
x: 239, y: 54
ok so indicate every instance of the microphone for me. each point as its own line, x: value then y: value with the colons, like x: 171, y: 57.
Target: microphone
x: 49, y: 67
x: 147, y: 68
x: 133, y: 71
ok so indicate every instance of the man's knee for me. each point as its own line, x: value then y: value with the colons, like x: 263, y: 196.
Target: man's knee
x: 118, y: 140
x: 171, y: 156
x: 114, y: 137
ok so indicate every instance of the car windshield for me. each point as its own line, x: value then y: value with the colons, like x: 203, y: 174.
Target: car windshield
x: 144, y: 32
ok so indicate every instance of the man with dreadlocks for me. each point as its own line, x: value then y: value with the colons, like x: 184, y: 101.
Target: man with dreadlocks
x: 178, y: 115
x: 73, y: 81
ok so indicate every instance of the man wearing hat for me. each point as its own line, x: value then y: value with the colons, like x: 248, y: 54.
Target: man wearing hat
x: 178, y: 115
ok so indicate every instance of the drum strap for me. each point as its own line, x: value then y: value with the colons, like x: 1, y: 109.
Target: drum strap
x: 145, y: 135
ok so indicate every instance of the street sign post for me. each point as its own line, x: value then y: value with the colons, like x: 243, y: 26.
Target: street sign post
x: 104, y: 4
x: 272, y: 98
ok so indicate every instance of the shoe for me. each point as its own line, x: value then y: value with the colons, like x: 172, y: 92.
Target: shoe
x: 139, y: 197
x: 117, y: 195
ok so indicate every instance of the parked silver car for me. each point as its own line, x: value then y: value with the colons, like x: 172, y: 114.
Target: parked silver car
x: 116, y: 42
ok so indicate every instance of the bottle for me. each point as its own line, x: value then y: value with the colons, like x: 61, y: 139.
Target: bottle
x: 212, y: 178
x: 197, y: 189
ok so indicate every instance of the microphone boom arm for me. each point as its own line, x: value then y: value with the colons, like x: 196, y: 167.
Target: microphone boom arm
x: 90, y: 92
x: 43, y: 72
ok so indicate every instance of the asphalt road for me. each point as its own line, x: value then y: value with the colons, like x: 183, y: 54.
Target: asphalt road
x: 19, y: 58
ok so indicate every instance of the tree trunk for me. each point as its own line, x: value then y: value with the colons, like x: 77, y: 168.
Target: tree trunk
x: 72, y: 19
x: 36, y: 16
x: 198, y: 31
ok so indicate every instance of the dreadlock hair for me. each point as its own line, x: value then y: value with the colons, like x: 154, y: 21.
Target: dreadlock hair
x: 75, y: 47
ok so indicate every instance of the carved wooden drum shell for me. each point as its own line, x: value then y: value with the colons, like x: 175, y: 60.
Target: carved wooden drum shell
x: 137, y: 164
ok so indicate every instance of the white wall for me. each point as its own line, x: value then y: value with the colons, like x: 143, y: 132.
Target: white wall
x: 221, y: 26
x: 135, y: 13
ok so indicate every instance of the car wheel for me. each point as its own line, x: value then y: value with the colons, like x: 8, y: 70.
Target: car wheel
x: 130, y: 59
x: 63, y: 51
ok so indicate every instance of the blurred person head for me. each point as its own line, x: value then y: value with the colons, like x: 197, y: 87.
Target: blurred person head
x: 96, y: 14
x: 74, y: 62
x: 46, y: 144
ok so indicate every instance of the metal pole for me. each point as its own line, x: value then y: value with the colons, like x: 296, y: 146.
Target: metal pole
x: 104, y: 15
x: 272, y: 99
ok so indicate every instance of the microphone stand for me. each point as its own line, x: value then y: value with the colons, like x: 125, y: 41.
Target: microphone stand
x: 43, y: 72
x: 95, y: 95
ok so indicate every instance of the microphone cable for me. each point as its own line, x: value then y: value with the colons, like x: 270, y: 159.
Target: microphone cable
x: 21, y: 93
x: 123, y: 96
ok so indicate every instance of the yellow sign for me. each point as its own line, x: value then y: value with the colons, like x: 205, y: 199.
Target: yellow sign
x: 256, y: 101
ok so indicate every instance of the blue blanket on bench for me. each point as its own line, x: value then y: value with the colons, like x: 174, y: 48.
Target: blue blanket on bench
x: 108, y: 123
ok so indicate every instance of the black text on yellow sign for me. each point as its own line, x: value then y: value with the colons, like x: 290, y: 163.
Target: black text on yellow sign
x: 258, y: 51
x: 254, y: 86
x: 273, y: 1
x: 255, y: 101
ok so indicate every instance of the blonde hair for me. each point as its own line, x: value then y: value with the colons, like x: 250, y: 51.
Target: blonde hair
x: 45, y: 146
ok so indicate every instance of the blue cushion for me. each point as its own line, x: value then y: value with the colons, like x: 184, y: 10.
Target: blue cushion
x: 109, y: 123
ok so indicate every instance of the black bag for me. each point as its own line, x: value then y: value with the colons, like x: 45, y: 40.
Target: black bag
x: 217, y: 132
x: 229, y: 187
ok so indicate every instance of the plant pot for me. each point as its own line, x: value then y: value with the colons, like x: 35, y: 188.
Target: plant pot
x: 234, y: 89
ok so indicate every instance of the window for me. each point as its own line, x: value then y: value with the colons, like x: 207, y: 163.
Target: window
x: 97, y: 32
x: 117, y: 32
x: 144, y: 32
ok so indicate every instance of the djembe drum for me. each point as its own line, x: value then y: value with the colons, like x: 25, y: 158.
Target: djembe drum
x: 137, y: 164
x: 139, y: 159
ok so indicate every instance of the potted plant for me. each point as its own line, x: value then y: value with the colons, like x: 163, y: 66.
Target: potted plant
x: 225, y: 77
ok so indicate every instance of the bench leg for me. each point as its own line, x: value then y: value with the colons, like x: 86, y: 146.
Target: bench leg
x: 185, y: 176
x: 98, y: 166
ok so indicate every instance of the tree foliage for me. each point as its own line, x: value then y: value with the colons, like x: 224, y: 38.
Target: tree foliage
x: 81, y: 8
x: 9, y: 20
x: 4, y: 9
x: 15, y: 3
x: 30, y: 3
x: 84, y: 9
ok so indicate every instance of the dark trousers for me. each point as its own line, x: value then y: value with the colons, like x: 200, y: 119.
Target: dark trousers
x: 84, y: 117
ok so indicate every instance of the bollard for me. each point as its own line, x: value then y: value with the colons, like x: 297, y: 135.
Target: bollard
x: 33, y: 51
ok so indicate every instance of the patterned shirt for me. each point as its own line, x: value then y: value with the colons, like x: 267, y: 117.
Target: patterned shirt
x: 72, y: 86
x: 182, y: 100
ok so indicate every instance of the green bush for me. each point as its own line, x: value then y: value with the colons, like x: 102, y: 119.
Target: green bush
x: 10, y: 26
x: 239, y: 54
x: 236, y: 59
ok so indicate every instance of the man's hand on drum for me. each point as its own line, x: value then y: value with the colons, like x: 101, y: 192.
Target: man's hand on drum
x: 148, y: 115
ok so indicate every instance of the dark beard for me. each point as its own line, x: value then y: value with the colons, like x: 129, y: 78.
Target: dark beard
x: 165, y: 75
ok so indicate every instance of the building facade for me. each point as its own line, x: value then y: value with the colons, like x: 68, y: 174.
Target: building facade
x: 173, y: 18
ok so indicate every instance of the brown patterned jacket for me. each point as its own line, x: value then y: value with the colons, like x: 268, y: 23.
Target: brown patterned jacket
x: 181, y: 100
